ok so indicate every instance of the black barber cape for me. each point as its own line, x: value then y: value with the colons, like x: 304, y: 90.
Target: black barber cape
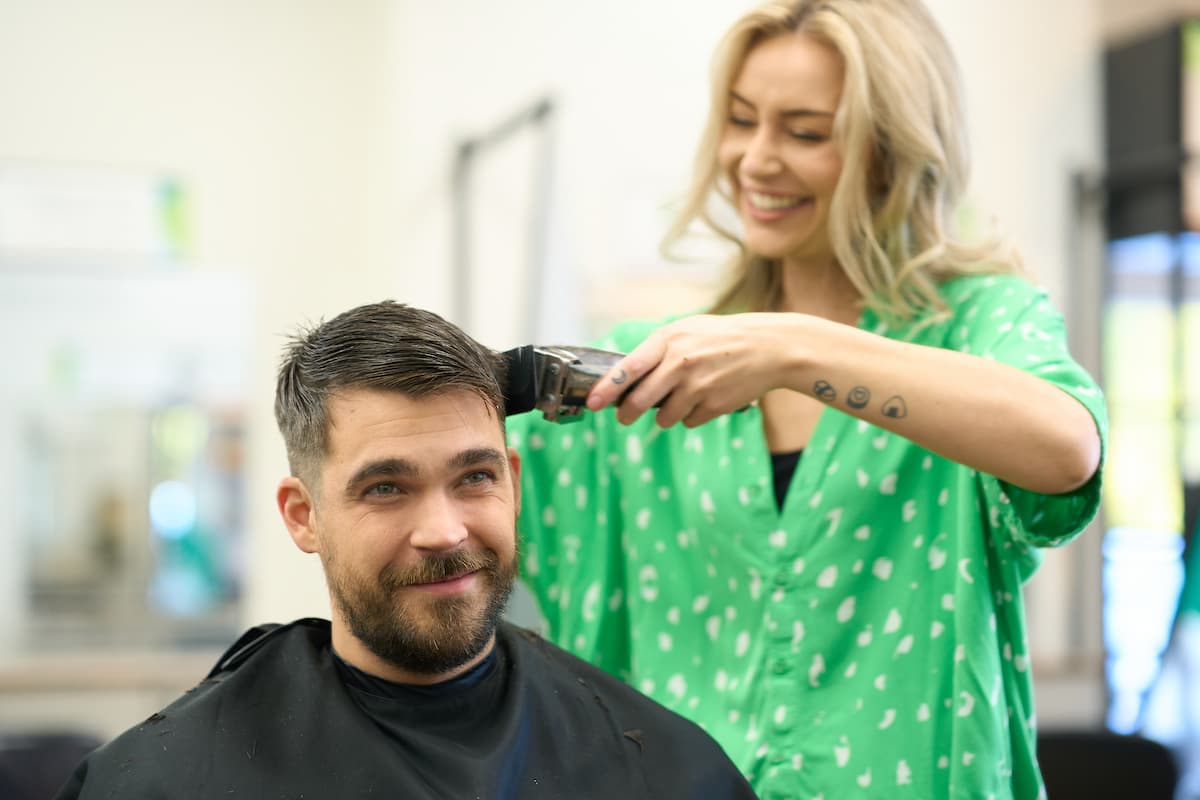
x: 281, y: 717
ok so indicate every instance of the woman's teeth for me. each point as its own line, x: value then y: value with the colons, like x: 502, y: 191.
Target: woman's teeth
x: 770, y: 202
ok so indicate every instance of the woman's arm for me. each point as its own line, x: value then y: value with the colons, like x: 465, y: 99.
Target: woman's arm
x: 981, y: 413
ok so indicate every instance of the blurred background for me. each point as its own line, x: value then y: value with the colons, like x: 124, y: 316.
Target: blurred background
x: 183, y: 183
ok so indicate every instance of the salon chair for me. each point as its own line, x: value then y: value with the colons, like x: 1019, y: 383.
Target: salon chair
x: 33, y: 766
x: 1101, y: 765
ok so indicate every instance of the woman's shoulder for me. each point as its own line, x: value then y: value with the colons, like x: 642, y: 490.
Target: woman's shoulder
x: 967, y: 300
x: 988, y: 287
x: 628, y: 334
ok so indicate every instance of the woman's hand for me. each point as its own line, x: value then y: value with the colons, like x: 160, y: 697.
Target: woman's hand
x: 698, y: 368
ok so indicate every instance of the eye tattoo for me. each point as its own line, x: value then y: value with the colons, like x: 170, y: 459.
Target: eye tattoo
x: 859, y: 397
x: 824, y: 391
x: 895, y: 407
x: 620, y: 377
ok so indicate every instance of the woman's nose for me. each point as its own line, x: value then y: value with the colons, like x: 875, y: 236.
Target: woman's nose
x: 761, y: 157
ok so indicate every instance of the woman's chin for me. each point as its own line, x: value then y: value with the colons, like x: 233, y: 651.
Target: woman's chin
x: 768, y: 248
x: 773, y: 247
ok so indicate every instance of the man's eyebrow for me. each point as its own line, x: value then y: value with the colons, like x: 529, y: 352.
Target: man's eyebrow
x: 384, y: 468
x: 797, y: 112
x: 478, y: 456
x: 402, y: 468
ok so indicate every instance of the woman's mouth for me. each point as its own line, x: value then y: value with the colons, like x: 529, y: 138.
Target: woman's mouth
x: 775, y: 202
x: 770, y: 207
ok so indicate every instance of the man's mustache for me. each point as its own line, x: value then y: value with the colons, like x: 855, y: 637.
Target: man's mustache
x: 432, y: 569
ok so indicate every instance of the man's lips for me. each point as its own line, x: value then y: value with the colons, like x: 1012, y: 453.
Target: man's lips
x: 454, y: 585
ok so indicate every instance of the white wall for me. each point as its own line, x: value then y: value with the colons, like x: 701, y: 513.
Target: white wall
x: 273, y: 114
x: 629, y: 80
x: 1031, y: 71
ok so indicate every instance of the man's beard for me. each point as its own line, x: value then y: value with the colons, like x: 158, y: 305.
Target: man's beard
x: 429, y: 634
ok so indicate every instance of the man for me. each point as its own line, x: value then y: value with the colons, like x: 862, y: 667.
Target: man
x: 402, y: 484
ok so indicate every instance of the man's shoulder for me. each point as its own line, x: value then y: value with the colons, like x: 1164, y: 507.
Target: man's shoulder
x: 309, y: 632
x: 677, y: 757
x: 250, y: 678
x: 535, y: 652
x: 549, y: 661
x: 256, y: 660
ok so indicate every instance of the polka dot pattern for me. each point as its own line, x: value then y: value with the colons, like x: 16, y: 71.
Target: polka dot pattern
x: 866, y: 641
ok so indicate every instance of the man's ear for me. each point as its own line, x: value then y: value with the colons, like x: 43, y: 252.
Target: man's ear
x: 514, y: 472
x: 299, y: 513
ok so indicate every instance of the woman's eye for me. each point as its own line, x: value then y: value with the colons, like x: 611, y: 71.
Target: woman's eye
x: 807, y: 136
x: 741, y: 122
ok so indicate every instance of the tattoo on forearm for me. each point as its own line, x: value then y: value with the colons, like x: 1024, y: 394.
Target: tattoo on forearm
x: 620, y: 377
x: 859, y: 397
x: 895, y: 407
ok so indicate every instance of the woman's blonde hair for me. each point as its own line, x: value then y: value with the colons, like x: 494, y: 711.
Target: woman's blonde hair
x: 890, y: 221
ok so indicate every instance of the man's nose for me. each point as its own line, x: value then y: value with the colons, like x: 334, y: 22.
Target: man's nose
x: 438, y: 524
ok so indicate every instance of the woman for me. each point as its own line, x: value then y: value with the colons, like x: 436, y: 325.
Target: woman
x: 881, y: 424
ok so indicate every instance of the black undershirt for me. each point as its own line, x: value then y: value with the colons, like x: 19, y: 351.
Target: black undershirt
x: 353, y: 676
x: 382, y: 687
x: 468, y: 710
x: 783, y: 467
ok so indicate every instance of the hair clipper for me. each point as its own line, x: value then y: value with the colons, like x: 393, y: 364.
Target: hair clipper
x: 554, y: 378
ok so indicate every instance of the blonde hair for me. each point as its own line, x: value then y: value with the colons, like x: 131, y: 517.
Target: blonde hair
x: 900, y: 103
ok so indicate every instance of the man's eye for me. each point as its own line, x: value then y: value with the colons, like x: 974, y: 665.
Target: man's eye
x: 382, y: 490
x: 479, y: 476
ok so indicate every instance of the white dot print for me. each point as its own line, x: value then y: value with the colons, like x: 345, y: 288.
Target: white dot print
x: 776, y: 627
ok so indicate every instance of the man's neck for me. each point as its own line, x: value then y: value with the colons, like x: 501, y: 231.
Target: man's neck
x: 351, y: 650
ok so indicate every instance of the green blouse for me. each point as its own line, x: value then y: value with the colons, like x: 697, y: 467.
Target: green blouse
x: 869, y: 639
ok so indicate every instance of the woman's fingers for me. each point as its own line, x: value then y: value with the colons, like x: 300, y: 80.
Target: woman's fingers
x: 694, y: 370
x: 626, y: 380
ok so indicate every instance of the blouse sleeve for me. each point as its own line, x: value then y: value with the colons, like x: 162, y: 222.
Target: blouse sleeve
x: 1007, y: 319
